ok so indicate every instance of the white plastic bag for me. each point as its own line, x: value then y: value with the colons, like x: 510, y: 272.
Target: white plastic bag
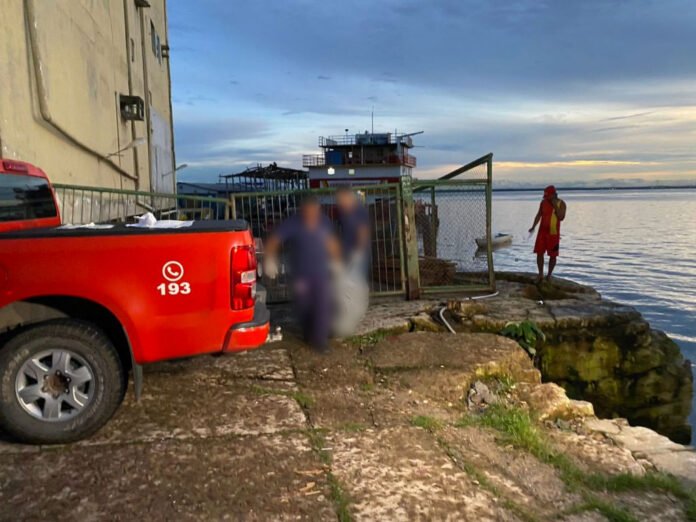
x: 352, y: 297
x: 148, y: 220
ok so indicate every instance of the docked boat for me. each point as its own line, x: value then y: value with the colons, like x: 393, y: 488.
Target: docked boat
x: 497, y: 241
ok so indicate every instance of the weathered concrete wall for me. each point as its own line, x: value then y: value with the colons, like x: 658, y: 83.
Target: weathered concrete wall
x: 63, y: 65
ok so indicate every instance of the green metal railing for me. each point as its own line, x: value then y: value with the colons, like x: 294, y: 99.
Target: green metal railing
x: 79, y: 205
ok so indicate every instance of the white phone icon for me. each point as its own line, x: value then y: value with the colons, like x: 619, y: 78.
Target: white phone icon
x: 172, y: 271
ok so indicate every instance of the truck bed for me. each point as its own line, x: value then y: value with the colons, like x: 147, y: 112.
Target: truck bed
x: 123, y: 230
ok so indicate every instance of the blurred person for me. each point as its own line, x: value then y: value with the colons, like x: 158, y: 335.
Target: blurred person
x: 313, y: 250
x: 354, y: 230
x: 352, y: 292
x: 552, y: 211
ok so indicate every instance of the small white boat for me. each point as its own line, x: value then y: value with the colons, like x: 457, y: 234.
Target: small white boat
x: 498, y: 240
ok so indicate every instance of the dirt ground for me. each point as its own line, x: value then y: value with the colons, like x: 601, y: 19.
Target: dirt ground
x: 283, y: 434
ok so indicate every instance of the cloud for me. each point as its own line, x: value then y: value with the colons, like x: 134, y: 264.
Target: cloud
x: 563, y: 164
x: 193, y: 100
x: 629, y: 116
x: 199, y: 139
x: 606, y: 82
x: 528, y: 45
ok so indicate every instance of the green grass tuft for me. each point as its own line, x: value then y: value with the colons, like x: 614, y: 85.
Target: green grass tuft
x: 369, y: 339
x: 691, y: 507
x: 520, y: 429
x: 458, y: 459
x: 318, y: 442
x: 609, y: 511
x: 427, y: 423
x: 353, y: 427
x: 304, y: 400
x: 367, y: 387
x: 467, y: 421
x: 339, y: 497
x: 504, y: 384
x: 518, y: 426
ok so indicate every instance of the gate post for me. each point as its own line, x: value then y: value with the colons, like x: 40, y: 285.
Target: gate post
x: 489, y: 222
x: 410, y: 239
x: 231, y: 207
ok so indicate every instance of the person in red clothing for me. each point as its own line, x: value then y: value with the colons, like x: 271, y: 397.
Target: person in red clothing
x: 552, y: 211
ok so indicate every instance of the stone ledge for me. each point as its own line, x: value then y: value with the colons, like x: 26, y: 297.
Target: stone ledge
x: 644, y: 443
x: 443, y: 366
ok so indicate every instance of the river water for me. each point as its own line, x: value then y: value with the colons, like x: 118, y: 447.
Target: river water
x: 637, y: 247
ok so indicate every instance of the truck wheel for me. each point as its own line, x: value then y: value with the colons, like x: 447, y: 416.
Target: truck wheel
x: 60, y: 381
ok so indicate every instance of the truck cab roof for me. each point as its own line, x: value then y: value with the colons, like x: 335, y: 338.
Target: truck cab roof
x: 27, y: 199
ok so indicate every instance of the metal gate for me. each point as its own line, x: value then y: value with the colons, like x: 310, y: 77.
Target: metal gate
x: 453, y: 224
x: 266, y: 210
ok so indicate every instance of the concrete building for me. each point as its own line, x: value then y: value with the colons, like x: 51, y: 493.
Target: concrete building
x: 85, y: 91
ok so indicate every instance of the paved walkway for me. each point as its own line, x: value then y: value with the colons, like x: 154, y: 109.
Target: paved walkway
x: 282, y: 434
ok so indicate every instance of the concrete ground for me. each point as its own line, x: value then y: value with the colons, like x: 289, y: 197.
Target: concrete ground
x: 283, y: 434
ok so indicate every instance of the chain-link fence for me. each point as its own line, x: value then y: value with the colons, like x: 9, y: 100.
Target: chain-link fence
x: 453, y: 231
x: 264, y: 211
x: 79, y: 205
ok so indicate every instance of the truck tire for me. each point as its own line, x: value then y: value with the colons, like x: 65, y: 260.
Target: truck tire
x: 60, y: 381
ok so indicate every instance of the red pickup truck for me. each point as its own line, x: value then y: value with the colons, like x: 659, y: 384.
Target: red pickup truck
x: 80, y: 307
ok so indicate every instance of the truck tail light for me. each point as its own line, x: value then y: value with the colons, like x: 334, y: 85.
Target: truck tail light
x: 243, y: 277
x: 13, y: 166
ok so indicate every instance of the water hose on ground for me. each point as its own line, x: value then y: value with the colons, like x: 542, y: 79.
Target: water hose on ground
x: 477, y: 297
x: 474, y: 298
x: 442, y: 318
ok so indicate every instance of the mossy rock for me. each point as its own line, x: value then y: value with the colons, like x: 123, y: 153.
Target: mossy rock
x: 637, y: 328
x: 643, y: 359
x: 655, y: 387
x: 424, y: 323
x: 580, y: 360
x: 557, y: 361
x: 610, y: 392
x: 666, y: 345
x: 667, y: 419
x: 600, y: 362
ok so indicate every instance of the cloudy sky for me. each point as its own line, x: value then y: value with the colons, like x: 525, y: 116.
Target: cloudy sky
x: 564, y: 91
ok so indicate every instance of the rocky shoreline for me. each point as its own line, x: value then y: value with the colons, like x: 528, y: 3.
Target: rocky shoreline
x: 597, y: 350
x: 451, y: 370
